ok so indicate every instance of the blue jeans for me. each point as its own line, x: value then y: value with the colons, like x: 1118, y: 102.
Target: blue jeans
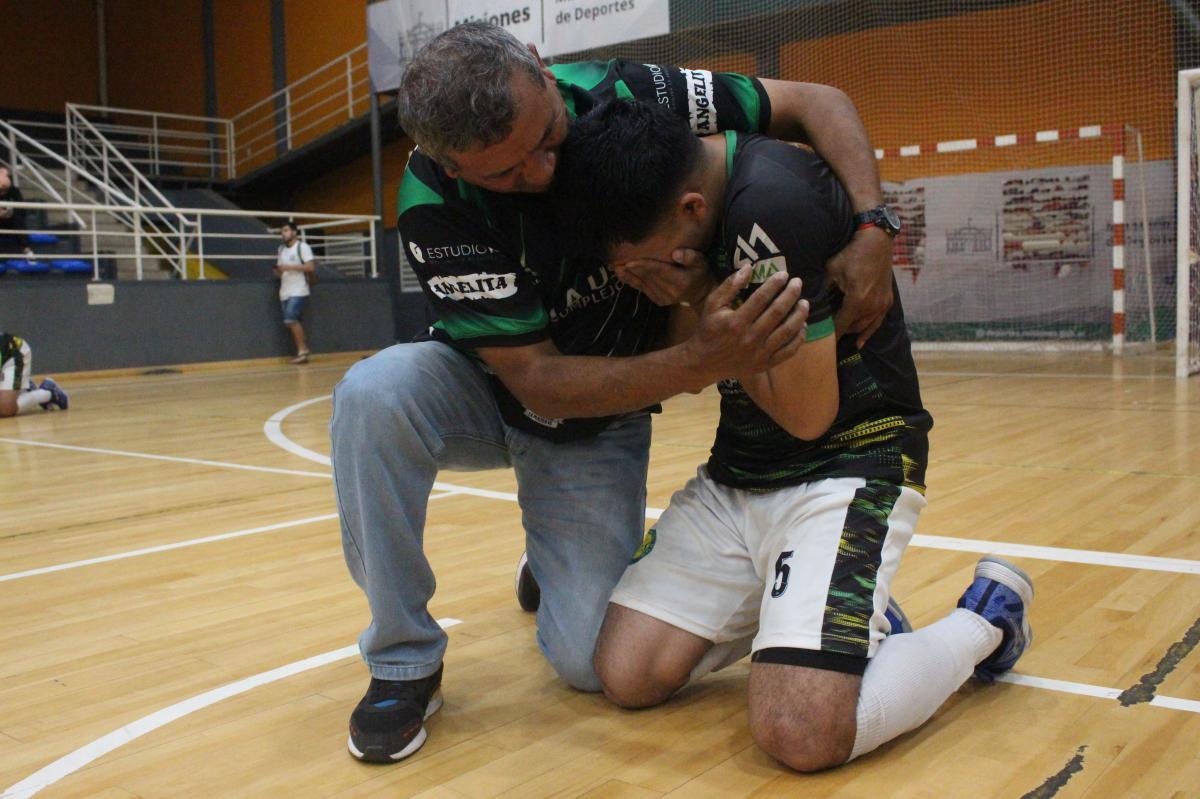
x: 292, y: 307
x: 412, y: 409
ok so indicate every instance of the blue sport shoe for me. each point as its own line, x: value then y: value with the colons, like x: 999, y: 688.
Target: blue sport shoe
x: 57, y: 395
x: 1001, y: 593
x: 896, y: 617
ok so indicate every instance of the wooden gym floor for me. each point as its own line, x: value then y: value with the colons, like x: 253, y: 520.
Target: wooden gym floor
x: 177, y: 620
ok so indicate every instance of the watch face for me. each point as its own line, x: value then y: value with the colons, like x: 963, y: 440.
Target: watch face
x: 890, y: 217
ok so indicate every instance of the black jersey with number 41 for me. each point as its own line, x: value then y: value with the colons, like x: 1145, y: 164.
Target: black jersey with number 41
x: 499, y: 273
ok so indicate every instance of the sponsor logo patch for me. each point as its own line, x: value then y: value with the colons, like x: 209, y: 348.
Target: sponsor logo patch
x: 702, y: 113
x: 478, y: 286
x: 765, y: 263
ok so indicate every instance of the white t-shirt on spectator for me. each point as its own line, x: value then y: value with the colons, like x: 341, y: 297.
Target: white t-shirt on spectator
x: 293, y: 283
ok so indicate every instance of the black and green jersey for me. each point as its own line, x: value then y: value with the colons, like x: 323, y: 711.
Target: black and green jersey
x: 10, y: 347
x: 12, y: 363
x: 498, y: 272
x: 785, y: 210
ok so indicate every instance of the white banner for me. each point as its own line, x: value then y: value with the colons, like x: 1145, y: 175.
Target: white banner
x: 396, y: 29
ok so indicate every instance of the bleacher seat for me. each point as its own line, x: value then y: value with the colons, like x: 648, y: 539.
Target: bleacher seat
x: 71, y: 266
x: 42, y: 238
x: 26, y: 267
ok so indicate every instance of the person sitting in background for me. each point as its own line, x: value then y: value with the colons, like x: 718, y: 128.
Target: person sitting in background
x: 18, y: 393
x: 293, y: 265
x: 12, y: 220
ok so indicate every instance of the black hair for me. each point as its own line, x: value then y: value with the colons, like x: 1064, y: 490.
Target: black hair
x: 290, y: 223
x: 619, y: 172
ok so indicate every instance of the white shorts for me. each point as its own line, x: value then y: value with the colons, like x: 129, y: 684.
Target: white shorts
x: 18, y: 371
x: 808, y: 567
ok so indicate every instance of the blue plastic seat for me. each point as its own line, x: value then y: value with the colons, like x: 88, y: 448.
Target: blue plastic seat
x: 71, y: 266
x: 3, y: 267
x: 42, y: 238
x: 29, y: 267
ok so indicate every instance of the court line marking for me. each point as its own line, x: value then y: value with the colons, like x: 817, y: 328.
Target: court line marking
x: 133, y: 553
x: 1046, y: 375
x: 69, y: 764
x: 171, y: 458
x: 1058, y: 554
x: 87, y: 754
x: 191, y: 542
x: 273, y: 429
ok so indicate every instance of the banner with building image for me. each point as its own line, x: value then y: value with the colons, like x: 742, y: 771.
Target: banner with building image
x: 398, y: 28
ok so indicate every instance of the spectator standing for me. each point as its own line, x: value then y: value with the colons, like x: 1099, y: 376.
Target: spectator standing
x: 294, y: 265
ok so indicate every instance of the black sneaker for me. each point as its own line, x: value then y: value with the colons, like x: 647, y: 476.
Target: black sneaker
x: 388, y: 724
x: 529, y: 593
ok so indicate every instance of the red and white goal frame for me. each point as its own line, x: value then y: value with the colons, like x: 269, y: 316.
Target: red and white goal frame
x: 1187, y: 228
x: 1115, y: 135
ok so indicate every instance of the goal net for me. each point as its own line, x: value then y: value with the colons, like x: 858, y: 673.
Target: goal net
x: 1029, y: 147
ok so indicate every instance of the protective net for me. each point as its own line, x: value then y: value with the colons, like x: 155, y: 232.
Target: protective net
x: 1187, y: 360
x: 1029, y: 146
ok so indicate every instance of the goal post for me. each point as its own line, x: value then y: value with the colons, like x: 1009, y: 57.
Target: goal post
x: 1187, y: 248
x: 1018, y: 240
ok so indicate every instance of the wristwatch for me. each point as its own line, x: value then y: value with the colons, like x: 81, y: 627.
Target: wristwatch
x: 881, y: 216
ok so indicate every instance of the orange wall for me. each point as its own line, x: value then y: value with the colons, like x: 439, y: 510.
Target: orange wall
x: 242, y: 45
x: 156, y: 55
x: 47, y: 65
x: 1018, y: 69
x: 319, y: 31
x: 348, y: 190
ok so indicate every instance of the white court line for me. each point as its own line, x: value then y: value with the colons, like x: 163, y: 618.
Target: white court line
x: 273, y: 429
x: 1049, y: 375
x: 1059, y: 554
x: 1100, y: 692
x: 181, y: 544
x: 69, y: 764
x: 133, y: 553
x: 171, y: 458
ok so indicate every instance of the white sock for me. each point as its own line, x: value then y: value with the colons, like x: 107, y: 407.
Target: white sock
x: 30, y: 400
x: 912, y: 674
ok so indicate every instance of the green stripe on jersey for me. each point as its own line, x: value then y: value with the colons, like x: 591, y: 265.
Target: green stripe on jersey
x: 585, y: 74
x: 465, y: 325
x: 746, y: 95
x: 820, y: 330
x: 414, y: 192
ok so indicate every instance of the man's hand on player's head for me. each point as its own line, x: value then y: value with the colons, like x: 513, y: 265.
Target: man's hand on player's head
x: 863, y: 271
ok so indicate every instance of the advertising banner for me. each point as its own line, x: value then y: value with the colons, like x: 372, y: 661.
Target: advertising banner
x: 398, y: 28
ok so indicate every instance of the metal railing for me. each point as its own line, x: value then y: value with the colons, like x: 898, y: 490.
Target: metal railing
x: 123, y: 185
x: 166, y: 145
x: 336, y: 233
x: 320, y: 101
x: 33, y: 162
x: 215, y: 148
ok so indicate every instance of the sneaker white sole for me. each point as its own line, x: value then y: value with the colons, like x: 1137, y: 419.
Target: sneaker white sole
x: 520, y: 568
x: 435, y: 704
x: 1007, y: 574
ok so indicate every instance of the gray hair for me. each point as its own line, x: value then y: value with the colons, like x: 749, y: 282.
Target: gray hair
x: 455, y: 93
